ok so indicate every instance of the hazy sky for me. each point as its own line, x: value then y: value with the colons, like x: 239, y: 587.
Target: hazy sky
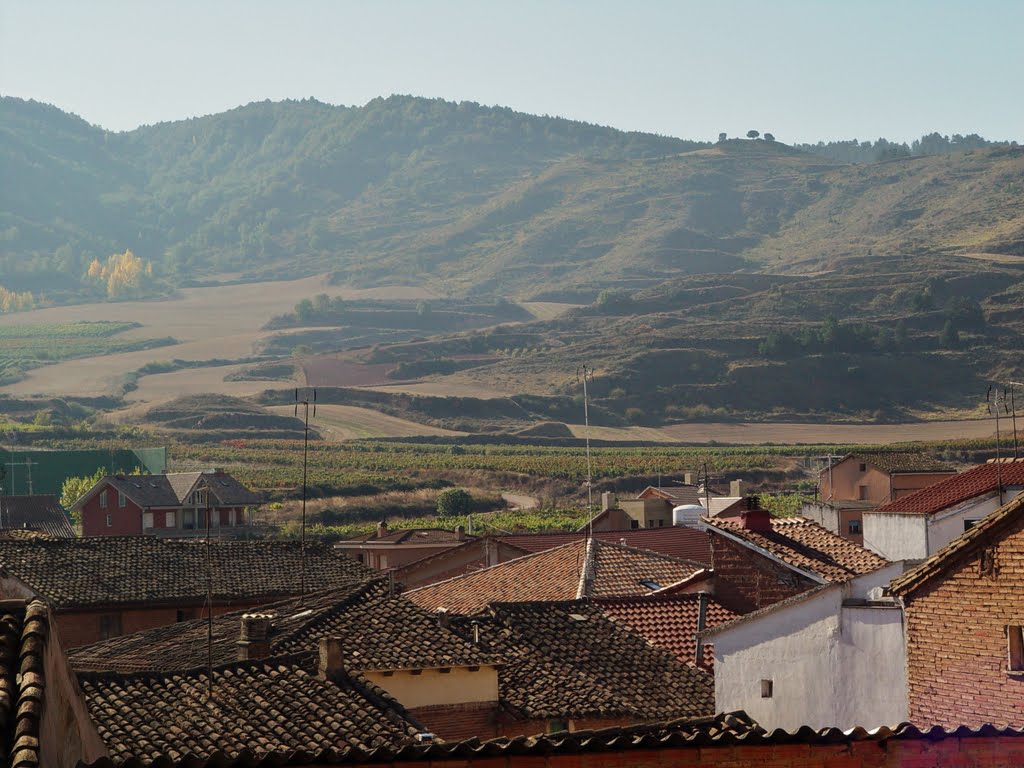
x: 803, y: 70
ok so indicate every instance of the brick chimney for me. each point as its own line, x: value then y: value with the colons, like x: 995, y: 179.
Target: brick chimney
x: 330, y: 657
x: 382, y: 529
x: 754, y: 518
x: 254, y: 637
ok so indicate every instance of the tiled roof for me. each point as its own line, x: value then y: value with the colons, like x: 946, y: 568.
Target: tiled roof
x: 669, y: 622
x: 276, y: 705
x: 35, y: 513
x: 411, y: 536
x: 133, y: 569
x: 568, y: 659
x: 807, y: 546
x: 677, y: 494
x: 964, y: 546
x: 899, y: 462
x: 682, y: 737
x: 173, y: 489
x: 24, y: 629
x: 579, y: 569
x: 675, y: 541
x: 982, y: 479
x: 376, y: 631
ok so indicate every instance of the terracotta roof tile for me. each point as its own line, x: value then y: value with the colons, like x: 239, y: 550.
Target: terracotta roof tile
x: 270, y: 706
x: 35, y: 513
x: 805, y: 545
x: 578, y: 569
x: 412, y: 536
x: 377, y: 632
x: 109, y: 570
x: 568, y: 659
x: 675, y: 541
x: 978, y: 481
x: 901, y: 462
x: 24, y: 630
x: 669, y: 622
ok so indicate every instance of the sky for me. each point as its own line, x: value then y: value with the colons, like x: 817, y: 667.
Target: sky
x: 803, y: 70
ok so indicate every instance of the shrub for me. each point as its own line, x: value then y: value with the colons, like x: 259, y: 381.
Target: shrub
x: 454, y: 502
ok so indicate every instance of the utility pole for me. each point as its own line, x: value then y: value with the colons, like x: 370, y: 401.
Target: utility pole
x: 305, y: 402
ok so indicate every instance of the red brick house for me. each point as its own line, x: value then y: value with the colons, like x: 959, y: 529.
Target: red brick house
x: 759, y: 560
x: 965, y: 626
x: 165, y: 505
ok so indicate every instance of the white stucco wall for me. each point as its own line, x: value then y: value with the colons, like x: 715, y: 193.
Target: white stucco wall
x: 823, y: 514
x: 896, y: 536
x: 915, y: 537
x: 829, y: 665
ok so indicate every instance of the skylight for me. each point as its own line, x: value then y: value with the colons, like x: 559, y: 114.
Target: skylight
x: 650, y: 584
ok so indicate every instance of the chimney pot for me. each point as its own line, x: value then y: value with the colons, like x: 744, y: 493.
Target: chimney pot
x: 330, y: 657
x: 253, y: 637
x: 382, y: 529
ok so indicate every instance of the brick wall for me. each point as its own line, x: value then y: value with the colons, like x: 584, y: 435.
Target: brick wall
x: 86, y: 626
x: 957, y: 645
x: 746, y: 581
x: 124, y: 521
x: 961, y: 752
x: 458, y: 722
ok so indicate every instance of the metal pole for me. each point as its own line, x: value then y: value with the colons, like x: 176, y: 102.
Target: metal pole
x: 302, y: 544
x: 209, y: 602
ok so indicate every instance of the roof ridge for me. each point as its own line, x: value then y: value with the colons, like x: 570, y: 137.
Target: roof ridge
x: 96, y: 676
x: 575, y: 542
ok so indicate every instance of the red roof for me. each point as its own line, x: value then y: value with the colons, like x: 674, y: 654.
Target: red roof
x: 983, y: 479
x: 669, y: 622
x: 674, y: 541
x: 578, y: 569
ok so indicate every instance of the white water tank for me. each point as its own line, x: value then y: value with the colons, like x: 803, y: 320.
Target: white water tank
x: 688, y: 515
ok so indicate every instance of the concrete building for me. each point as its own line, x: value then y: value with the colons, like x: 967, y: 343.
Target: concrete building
x: 879, y: 477
x: 831, y: 656
x: 918, y: 525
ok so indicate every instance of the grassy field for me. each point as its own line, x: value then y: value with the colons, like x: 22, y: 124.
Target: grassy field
x: 344, y: 422
x: 209, y: 322
x: 795, y: 434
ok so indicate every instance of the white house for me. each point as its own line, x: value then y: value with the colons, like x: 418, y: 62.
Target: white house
x: 916, y: 526
x: 833, y: 656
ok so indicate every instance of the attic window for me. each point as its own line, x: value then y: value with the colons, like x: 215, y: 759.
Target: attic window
x: 767, y: 687
x: 650, y: 584
x: 1014, y: 648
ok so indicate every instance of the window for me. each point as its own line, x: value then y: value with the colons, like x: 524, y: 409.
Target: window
x: 103, y: 499
x: 650, y: 584
x: 661, y: 523
x: 650, y: 523
x: 863, y: 467
x: 170, y: 519
x: 854, y: 527
x: 1014, y: 648
x: 147, y: 521
x: 110, y: 520
x: 766, y: 689
x: 110, y: 625
x: 188, y: 519
x: 634, y: 524
x: 121, y: 500
x: 557, y: 725
x: 862, y: 492
x: 185, y: 614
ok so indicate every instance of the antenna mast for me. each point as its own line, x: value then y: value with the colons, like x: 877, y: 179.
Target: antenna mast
x: 996, y: 401
x: 1013, y: 412
x: 209, y: 596
x: 587, y: 372
x: 305, y: 403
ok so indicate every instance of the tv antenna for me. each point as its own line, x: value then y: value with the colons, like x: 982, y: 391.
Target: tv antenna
x: 583, y: 373
x: 1013, y: 415
x: 305, y: 402
x: 209, y: 593
x: 996, y: 402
